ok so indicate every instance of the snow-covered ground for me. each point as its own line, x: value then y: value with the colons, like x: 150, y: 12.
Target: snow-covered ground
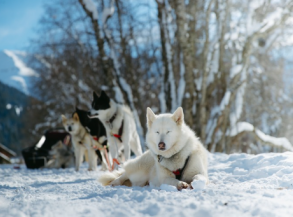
x: 240, y: 185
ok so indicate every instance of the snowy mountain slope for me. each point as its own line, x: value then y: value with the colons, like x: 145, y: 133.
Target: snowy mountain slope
x: 241, y: 185
x: 14, y: 70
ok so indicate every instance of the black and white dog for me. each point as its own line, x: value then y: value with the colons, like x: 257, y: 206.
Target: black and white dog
x: 119, y: 123
x: 96, y: 129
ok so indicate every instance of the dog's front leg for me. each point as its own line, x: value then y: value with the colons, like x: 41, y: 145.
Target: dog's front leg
x: 167, y: 177
x: 92, y: 159
x: 113, y: 148
x: 78, y: 152
x: 104, y: 161
x: 175, y: 182
x: 126, y: 145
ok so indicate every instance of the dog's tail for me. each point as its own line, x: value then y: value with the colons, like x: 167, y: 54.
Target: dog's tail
x: 106, y: 178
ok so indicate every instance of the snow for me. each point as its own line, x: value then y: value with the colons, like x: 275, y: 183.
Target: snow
x: 8, y: 106
x: 198, y: 185
x: 43, y: 61
x: 162, y: 100
x: 247, y: 127
x: 225, y: 100
x: 108, y: 12
x: 240, y: 185
x: 281, y: 142
x: 235, y: 70
x: 240, y: 127
x: 181, y: 85
x: 23, y: 69
x: 170, y: 67
x: 83, y: 86
x: 18, y: 110
x: 90, y: 5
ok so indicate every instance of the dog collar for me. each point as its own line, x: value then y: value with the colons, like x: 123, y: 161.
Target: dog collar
x: 160, y: 158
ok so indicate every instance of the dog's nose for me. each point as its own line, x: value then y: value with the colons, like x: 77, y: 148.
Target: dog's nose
x: 162, y: 146
x: 69, y: 128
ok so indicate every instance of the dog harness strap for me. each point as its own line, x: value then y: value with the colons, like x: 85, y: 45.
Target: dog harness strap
x: 118, y: 136
x: 115, y: 161
x: 178, y: 173
x: 112, y: 118
x: 96, y: 138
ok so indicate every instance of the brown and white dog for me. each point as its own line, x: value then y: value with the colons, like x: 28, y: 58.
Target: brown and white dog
x: 82, y: 141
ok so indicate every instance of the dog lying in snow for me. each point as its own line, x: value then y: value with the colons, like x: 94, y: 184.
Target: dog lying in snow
x: 120, y: 126
x: 175, y: 157
x: 63, y: 156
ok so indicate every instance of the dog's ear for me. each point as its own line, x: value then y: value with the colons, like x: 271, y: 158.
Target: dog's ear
x: 75, y: 117
x: 178, y: 116
x: 95, y: 95
x: 64, y: 119
x: 104, y: 95
x: 150, y: 117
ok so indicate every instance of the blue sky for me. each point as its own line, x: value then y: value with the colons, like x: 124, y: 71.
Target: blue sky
x: 18, y: 22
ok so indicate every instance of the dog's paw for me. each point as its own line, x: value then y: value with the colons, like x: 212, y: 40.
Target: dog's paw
x: 182, y: 185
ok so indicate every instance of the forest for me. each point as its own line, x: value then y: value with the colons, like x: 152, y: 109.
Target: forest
x: 223, y: 61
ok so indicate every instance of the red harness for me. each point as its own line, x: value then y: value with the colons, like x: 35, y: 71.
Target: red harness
x: 118, y: 136
x: 178, y: 173
x: 106, y: 153
x: 96, y: 138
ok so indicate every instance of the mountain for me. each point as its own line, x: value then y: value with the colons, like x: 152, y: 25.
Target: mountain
x: 12, y: 110
x: 14, y: 70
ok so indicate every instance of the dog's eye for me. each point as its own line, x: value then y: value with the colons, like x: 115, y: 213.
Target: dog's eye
x: 168, y: 132
x: 157, y: 132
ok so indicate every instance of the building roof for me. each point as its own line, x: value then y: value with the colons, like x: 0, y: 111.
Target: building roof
x: 3, y: 156
x: 12, y: 153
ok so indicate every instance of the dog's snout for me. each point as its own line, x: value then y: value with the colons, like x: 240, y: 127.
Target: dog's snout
x: 162, y: 146
x: 69, y: 128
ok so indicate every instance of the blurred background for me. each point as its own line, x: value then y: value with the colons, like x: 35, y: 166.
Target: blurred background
x: 228, y: 63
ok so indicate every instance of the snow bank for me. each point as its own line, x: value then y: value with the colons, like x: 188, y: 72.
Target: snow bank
x: 240, y: 185
x: 274, y: 141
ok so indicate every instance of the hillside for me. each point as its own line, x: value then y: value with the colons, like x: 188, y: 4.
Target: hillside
x: 12, y: 111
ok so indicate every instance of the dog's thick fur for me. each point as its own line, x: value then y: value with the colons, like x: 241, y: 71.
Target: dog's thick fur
x: 171, y: 141
x: 81, y: 141
x: 112, y: 116
x: 96, y: 129
x: 63, y: 156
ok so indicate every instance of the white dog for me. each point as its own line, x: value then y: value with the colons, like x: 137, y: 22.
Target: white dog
x: 119, y: 123
x: 175, y: 156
